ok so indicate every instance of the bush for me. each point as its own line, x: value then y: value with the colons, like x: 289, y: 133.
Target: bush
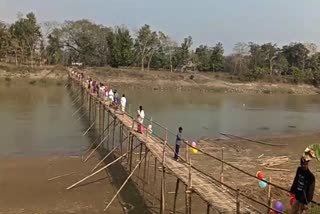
x: 298, y: 75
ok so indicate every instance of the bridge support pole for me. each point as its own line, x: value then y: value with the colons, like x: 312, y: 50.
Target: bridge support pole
x: 208, y: 208
x: 108, y: 129
x: 188, y: 186
x: 145, y: 169
x: 238, y: 201
x: 130, y: 152
x: 154, y: 180
x: 163, y: 180
x: 121, y: 137
x: 113, y: 131
x: 175, y: 196
x: 90, y: 102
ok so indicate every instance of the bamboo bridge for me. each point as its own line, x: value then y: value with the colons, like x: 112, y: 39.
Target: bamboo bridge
x: 216, y: 196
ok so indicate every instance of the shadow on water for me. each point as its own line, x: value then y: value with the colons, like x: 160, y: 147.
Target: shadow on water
x: 131, y: 200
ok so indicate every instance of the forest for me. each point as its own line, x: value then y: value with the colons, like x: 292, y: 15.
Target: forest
x: 28, y: 42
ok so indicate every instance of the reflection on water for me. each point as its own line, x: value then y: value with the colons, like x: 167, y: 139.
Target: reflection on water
x: 38, y: 119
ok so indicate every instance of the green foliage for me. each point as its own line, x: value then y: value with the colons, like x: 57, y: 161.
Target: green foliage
x: 298, y: 75
x: 23, y: 42
x: 217, y: 58
x: 121, y: 47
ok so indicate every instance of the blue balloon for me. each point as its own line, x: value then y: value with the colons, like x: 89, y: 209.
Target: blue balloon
x: 263, y: 184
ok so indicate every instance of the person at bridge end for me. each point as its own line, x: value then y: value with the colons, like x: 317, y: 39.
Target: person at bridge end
x: 178, y: 143
x: 302, y: 187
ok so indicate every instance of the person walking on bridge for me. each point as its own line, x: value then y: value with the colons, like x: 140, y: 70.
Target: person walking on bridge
x: 123, y: 102
x: 140, y: 118
x: 302, y: 187
x: 178, y: 143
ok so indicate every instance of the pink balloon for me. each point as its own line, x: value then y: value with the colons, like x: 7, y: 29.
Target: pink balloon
x: 194, y: 144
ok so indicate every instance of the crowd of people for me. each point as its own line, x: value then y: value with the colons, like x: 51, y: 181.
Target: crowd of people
x: 110, y: 96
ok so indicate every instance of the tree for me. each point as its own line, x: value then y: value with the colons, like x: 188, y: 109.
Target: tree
x: 27, y: 32
x: 86, y: 41
x: 241, y: 50
x: 54, y: 48
x: 217, y: 58
x: 146, y: 42
x: 121, y: 47
x: 4, y: 40
x: 296, y: 54
x: 181, y: 54
x: 203, y: 58
x: 270, y: 52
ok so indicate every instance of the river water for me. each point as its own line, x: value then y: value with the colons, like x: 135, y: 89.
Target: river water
x: 37, y: 119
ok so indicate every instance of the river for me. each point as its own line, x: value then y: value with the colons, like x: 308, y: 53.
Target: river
x: 37, y: 119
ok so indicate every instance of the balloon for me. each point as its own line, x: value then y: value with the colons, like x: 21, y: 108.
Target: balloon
x: 263, y: 184
x: 194, y: 144
x: 195, y: 151
x: 272, y: 212
x: 292, y: 199
x: 260, y: 175
x: 278, y: 206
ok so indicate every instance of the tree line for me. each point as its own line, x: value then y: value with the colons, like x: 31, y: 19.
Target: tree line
x: 26, y: 41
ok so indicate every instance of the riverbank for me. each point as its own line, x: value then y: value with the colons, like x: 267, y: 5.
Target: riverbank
x: 204, y: 82
x: 159, y: 80
x: 43, y: 74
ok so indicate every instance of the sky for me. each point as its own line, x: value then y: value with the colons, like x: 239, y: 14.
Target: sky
x: 207, y: 21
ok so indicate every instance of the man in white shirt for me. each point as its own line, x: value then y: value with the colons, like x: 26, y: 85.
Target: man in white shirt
x: 111, y: 95
x: 140, y: 119
x: 123, y: 102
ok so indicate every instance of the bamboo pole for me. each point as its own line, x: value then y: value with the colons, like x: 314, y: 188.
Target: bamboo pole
x: 125, y: 182
x: 96, y: 172
x: 89, y: 128
x: 121, y: 137
x: 78, y: 110
x: 93, y: 143
x: 238, y: 201
x: 108, y: 129
x: 269, y: 196
x: 113, y: 131
x: 189, y: 191
x: 154, y: 180
x: 95, y: 149
x: 175, y: 196
x: 148, y: 168
x: 208, y: 208
x: 144, y: 170
x: 131, y: 153
x: 222, y: 167
x: 90, y: 107
x: 163, y: 180
x: 60, y: 176
x: 105, y: 157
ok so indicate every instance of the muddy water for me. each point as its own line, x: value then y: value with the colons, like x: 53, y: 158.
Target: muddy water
x: 245, y: 115
x: 37, y: 119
